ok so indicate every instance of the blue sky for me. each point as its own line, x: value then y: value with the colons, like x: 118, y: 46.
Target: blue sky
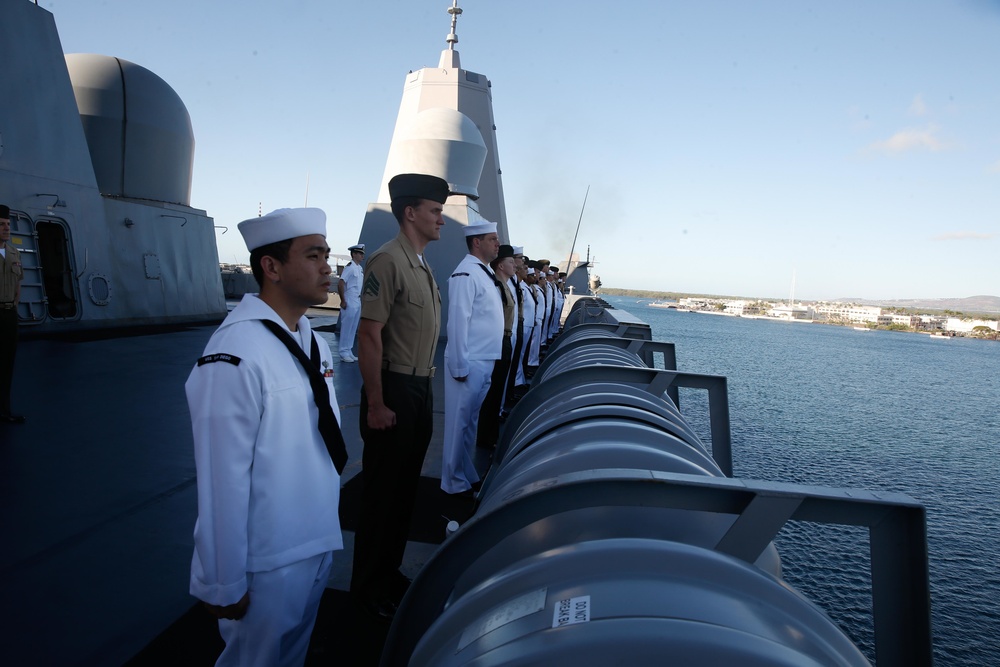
x: 726, y: 145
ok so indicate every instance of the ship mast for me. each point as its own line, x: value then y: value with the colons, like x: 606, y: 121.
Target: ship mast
x: 449, y: 57
x: 455, y: 12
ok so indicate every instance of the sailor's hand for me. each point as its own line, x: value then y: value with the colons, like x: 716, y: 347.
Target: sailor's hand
x: 380, y: 418
x: 233, y: 612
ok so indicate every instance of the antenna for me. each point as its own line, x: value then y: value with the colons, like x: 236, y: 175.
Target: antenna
x: 455, y: 12
x: 572, y: 248
x: 307, y: 190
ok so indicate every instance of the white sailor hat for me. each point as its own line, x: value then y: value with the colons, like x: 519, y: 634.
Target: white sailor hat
x: 358, y: 247
x: 482, y: 228
x: 282, y: 224
x: 531, y: 271
x: 518, y: 250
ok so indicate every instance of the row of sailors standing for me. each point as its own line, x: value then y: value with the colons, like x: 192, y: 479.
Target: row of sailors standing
x: 265, y: 419
x: 503, y: 311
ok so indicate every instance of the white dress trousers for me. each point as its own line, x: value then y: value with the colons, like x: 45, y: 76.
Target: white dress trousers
x: 351, y: 316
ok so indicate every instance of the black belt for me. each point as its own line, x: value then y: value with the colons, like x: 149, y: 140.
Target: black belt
x: 408, y: 370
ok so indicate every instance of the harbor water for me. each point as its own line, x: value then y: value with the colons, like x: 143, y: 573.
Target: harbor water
x: 881, y: 410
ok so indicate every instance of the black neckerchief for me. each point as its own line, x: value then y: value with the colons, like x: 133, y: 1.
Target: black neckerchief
x: 328, y: 426
x: 503, y: 292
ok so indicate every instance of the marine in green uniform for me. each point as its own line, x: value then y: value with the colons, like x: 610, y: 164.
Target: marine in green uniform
x: 10, y: 293
x: 397, y: 337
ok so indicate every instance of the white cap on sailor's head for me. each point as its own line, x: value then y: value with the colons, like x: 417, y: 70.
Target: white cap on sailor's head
x: 531, y: 271
x: 518, y: 250
x: 282, y: 224
x: 358, y: 247
x: 482, y: 228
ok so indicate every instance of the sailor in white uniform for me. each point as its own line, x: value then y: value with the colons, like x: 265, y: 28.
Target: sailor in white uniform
x: 560, y: 301
x: 550, y: 305
x: 266, y: 452
x: 475, y: 340
x: 528, y: 325
x: 349, y: 289
x: 538, y: 291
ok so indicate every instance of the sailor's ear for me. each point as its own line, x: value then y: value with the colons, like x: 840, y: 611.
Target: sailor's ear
x: 271, y: 268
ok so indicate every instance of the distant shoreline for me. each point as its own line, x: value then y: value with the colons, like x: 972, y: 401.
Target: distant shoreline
x: 958, y: 307
x: 856, y: 325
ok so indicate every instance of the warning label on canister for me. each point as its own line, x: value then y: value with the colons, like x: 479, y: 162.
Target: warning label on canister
x: 570, y: 611
x: 510, y: 611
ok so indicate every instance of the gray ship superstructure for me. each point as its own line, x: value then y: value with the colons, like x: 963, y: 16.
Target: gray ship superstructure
x: 96, y: 158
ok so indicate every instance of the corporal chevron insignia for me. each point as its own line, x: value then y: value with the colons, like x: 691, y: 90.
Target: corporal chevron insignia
x: 372, y: 285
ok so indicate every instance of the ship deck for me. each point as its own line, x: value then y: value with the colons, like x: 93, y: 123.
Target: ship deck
x: 100, y: 502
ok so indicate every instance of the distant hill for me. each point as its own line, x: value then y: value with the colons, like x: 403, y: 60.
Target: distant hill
x: 970, y: 304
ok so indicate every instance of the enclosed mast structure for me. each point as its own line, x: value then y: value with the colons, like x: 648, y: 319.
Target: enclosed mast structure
x: 445, y: 128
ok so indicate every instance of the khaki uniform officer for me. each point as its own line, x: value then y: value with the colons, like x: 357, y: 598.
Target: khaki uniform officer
x: 397, y: 337
x: 10, y: 294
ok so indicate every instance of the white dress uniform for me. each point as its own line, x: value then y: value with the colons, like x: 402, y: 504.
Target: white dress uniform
x: 536, y: 343
x: 550, y: 298
x: 557, y: 312
x: 548, y: 310
x: 353, y: 275
x: 528, y: 302
x: 268, y: 493
x: 475, y: 342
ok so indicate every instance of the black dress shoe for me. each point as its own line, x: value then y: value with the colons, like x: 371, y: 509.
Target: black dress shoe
x: 12, y: 419
x: 382, y: 610
x: 400, y: 584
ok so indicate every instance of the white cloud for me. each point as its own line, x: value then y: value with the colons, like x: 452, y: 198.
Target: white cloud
x: 917, y: 106
x: 912, y: 139
x: 964, y: 236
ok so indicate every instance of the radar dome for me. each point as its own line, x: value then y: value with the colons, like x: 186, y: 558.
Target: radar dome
x: 138, y: 129
x: 446, y: 143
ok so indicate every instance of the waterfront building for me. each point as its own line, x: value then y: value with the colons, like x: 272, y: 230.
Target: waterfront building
x: 795, y: 311
x: 966, y: 326
x: 847, y: 312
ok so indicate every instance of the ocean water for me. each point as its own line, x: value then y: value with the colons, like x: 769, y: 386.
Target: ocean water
x: 830, y: 406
